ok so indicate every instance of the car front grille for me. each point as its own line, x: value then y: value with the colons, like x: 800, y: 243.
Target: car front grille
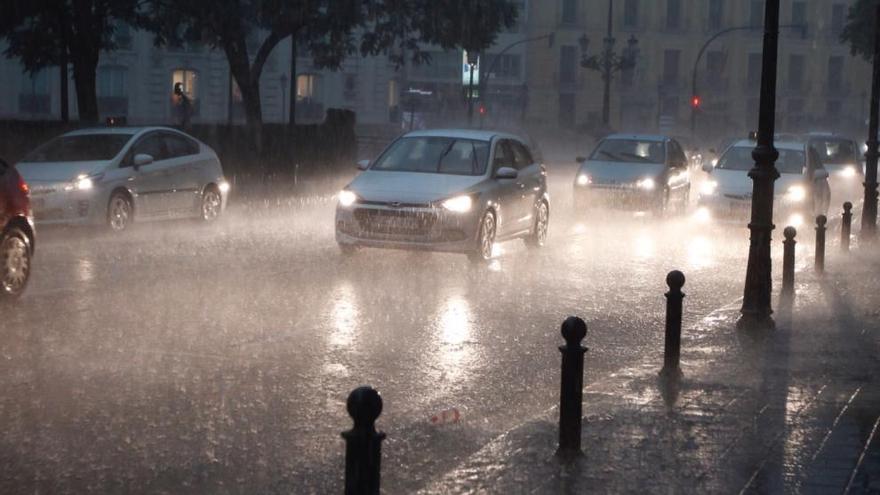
x: 395, y: 222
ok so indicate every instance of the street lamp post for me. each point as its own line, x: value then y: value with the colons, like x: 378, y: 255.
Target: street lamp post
x: 756, y: 309
x: 869, y: 212
x: 608, y: 62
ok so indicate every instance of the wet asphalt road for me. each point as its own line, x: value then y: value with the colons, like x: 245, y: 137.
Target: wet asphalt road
x: 182, y: 358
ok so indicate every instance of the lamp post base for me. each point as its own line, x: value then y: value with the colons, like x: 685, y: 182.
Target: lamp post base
x: 750, y: 321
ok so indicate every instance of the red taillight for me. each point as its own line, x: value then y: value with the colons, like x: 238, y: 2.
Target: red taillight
x: 23, y: 186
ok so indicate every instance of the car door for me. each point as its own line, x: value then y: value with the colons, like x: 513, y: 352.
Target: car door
x: 148, y: 181
x: 509, y: 191
x: 677, y: 171
x: 529, y: 181
x: 181, y: 173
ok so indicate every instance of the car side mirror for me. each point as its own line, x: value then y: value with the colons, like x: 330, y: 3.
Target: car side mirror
x: 820, y: 174
x: 142, y: 159
x: 363, y: 164
x: 506, y: 173
x: 707, y: 167
x: 580, y: 159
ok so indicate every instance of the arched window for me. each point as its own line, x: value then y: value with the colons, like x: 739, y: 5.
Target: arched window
x: 189, y: 84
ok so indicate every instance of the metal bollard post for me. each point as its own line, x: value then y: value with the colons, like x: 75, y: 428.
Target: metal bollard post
x: 571, y: 394
x: 846, y: 226
x: 820, y: 243
x: 788, y: 261
x: 672, y: 350
x: 363, y: 444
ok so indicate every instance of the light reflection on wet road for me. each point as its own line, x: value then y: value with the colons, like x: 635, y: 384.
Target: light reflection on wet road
x: 180, y: 357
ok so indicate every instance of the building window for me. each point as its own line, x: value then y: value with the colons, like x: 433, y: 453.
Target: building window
x: 189, y: 84
x: 34, y: 95
x: 308, y: 106
x: 838, y: 18
x: 669, y: 106
x: 566, y: 110
x: 754, y: 71
x: 122, y: 36
x: 756, y: 13
x: 112, y: 81
x: 835, y: 73
x: 715, y: 63
x: 670, y: 67
x: 716, y: 14
x: 567, y: 64
x: 507, y: 66
x: 306, y: 86
x: 673, y: 14
x: 795, y: 72
x: 799, y: 13
x: 569, y: 11
x: 631, y: 14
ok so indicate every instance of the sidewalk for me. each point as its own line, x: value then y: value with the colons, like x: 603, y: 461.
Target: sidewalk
x: 795, y: 410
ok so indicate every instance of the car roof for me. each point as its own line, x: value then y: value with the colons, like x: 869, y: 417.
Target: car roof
x: 780, y: 145
x: 639, y: 137
x: 475, y: 134
x: 126, y: 130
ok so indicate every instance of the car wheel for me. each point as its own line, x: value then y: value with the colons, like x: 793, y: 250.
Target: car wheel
x: 538, y: 237
x: 212, y: 204
x: 15, y: 263
x: 485, y: 239
x: 120, y: 212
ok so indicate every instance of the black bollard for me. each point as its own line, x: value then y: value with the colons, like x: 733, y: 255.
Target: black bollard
x: 820, y: 243
x: 363, y: 444
x: 571, y: 393
x: 788, y: 261
x: 846, y: 226
x: 672, y: 351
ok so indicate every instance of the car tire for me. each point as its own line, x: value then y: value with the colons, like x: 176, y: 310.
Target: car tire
x: 538, y: 237
x: 15, y: 263
x: 211, y: 205
x: 120, y: 212
x: 485, y: 239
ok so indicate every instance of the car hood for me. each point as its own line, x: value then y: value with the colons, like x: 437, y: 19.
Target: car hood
x: 410, y: 187
x: 58, y: 171
x: 738, y: 182
x: 602, y: 172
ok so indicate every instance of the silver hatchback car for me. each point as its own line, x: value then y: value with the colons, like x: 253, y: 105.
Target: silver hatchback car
x: 446, y: 190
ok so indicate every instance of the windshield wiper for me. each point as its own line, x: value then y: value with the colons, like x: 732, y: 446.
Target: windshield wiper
x: 641, y: 158
x: 610, y: 155
x: 445, y: 152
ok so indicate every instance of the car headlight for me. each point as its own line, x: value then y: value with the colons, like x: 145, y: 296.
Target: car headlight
x: 347, y: 198
x: 458, y: 204
x: 584, y: 180
x: 223, y: 186
x: 646, y: 184
x: 708, y: 188
x: 847, y: 172
x: 83, y: 182
x: 796, y: 193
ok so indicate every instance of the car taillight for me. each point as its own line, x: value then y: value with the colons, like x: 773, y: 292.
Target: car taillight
x: 23, y: 186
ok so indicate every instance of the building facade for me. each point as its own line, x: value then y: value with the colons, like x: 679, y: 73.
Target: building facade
x: 820, y: 85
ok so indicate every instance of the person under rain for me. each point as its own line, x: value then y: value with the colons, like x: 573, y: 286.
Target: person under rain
x: 182, y: 106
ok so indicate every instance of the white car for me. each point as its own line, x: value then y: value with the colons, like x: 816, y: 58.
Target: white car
x: 114, y: 176
x: 801, y: 191
x: 446, y: 190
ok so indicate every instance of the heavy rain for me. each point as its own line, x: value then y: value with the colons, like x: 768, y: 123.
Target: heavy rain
x: 250, y: 211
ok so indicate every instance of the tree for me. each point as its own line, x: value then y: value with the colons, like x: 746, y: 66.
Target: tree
x: 859, y: 29
x: 325, y: 25
x: 46, y: 33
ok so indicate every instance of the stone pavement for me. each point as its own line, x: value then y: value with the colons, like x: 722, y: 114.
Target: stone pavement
x: 794, y: 410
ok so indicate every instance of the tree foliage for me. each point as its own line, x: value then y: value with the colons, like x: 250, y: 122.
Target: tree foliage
x: 859, y: 29
x: 42, y: 33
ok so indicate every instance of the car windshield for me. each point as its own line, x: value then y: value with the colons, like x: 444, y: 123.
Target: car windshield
x: 836, y: 151
x: 740, y: 158
x: 629, y: 151
x: 438, y: 155
x: 79, y: 148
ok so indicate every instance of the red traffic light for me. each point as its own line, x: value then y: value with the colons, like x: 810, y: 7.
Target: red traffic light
x: 482, y: 110
x: 696, y: 101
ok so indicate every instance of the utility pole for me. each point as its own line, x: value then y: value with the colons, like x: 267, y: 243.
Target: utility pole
x: 756, y: 309
x: 869, y: 212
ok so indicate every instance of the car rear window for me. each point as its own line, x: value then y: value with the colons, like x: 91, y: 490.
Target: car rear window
x: 79, y: 148
x: 836, y: 151
x: 740, y: 158
x: 439, y: 155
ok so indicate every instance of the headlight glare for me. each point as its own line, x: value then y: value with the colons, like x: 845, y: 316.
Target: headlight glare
x: 646, y: 184
x: 848, y: 172
x: 708, y: 188
x: 347, y: 198
x: 224, y: 187
x: 797, y: 193
x: 583, y: 180
x: 458, y: 204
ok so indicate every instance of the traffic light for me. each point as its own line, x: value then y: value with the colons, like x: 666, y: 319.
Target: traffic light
x: 696, y: 101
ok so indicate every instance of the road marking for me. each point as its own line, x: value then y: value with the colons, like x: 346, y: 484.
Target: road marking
x: 855, y: 471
